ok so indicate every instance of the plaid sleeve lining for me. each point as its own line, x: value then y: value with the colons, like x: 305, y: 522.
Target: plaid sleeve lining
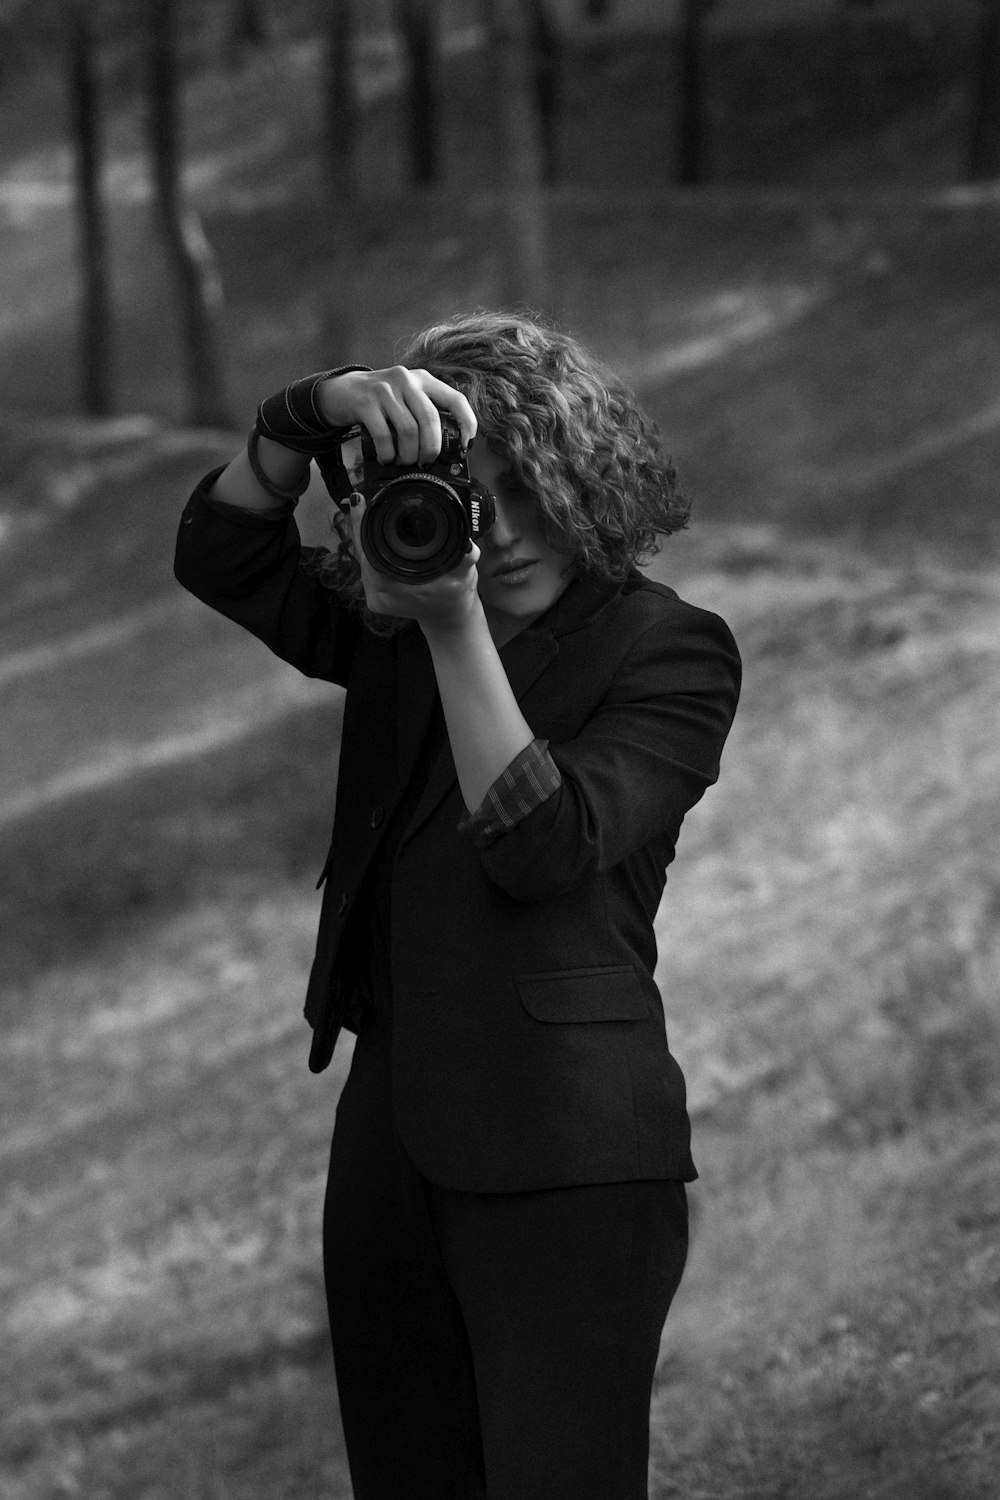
x: 529, y: 780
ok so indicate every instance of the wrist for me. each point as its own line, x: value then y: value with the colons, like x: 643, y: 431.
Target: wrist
x: 457, y: 630
x: 283, y: 466
x: 280, y: 472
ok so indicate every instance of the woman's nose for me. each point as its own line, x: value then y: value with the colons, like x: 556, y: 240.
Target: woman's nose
x: 505, y: 528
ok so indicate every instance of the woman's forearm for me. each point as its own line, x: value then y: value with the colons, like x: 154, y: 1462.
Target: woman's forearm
x: 238, y: 485
x: 485, y: 725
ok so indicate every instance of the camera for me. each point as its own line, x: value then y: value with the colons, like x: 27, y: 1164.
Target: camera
x: 418, y: 522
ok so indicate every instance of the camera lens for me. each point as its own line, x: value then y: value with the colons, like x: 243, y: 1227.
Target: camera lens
x: 415, y: 529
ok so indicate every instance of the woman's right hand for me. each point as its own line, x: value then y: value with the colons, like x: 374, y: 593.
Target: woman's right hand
x: 400, y: 409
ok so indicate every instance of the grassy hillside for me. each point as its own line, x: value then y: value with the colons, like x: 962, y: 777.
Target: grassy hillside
x: 830, y: 966
x: 829, y: 951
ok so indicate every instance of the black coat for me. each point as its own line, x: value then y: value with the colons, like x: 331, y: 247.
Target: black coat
x: 529, y: 1046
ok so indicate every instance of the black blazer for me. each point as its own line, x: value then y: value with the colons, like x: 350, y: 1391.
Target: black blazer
x: 529, y: 1048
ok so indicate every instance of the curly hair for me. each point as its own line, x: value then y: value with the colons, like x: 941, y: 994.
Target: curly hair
x: 569, y: 431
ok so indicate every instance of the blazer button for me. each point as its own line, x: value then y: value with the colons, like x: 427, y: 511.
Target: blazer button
x: 378, y: 813
x: 343, y: 905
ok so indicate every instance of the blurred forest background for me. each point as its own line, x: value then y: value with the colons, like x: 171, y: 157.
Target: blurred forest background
x: 780, y: 219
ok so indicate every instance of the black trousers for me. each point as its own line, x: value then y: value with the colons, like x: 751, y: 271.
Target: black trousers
x: 498, y: 1345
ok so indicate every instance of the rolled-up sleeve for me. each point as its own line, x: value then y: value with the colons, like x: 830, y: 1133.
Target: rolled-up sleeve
x: 640, y: 762
x: 525, y: 784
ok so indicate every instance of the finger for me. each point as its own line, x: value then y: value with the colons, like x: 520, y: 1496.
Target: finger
x: 406, y: 428
x: 428, y: 420
x: 403, y: 403
x: 446, y: 398
x: 382, y: 436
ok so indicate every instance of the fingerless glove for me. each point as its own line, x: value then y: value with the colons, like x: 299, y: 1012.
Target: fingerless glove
x: 293, y: 418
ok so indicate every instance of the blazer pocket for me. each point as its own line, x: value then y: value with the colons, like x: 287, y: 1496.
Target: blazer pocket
x: 612, y: 993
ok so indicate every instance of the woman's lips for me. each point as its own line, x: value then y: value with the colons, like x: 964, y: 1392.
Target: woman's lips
x: 518, y: 571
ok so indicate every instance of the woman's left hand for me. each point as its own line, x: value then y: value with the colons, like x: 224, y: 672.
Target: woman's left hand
x: 446, y: 603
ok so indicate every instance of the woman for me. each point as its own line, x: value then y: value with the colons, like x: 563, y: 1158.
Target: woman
x: 505, y: 1220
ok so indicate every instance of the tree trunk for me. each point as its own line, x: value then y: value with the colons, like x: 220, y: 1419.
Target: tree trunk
x: 984, y: 147
x: 548, y: 85
x: 95, y: 325
x: 249, y: 28
x: 523, y: 228
x: 420, y: 25
x: 246, y: 29
x: 341, y: 97
x: 341, y: 322
x: 691, y: 118
x: 199, y: 287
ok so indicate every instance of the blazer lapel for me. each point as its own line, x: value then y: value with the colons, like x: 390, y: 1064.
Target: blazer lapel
x: 526, y: 657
